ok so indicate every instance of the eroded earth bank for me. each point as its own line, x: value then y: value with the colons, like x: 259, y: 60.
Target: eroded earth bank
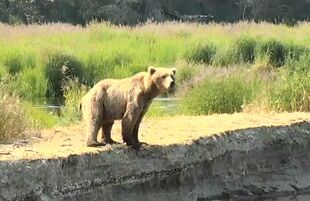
x: 238, y: 164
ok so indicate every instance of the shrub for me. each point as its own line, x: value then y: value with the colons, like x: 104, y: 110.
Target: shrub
x: 30, y: 84
x: 13, y: 64
x: 185, y: 74
x: 300, y: 66
x: 59, y: 69
x: 274, y: 51
x: 219, y: 96
x: 202, y: 53
x: 291, y: 93
x: 13, y: 120
x: 29, y: 59
x: 225, y: 56
x: 294, y: 51
x: 107, y: 66
x: 73, y: 93
x: 245, y: 49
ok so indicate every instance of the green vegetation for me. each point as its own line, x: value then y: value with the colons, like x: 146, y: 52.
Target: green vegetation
x: 40, y: 116
x: 59, y: 70
x: 274, y: 51
x: 73, y: 92
x: 40, y: 62
x: 201, y: 53
x: 224, y: 95
x: 292, y: 91
x: 245, y: 49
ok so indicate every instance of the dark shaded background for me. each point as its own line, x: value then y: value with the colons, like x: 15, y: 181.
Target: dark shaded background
x: 131, y: 12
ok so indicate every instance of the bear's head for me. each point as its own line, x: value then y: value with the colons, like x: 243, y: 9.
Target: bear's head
x: 162, y: 78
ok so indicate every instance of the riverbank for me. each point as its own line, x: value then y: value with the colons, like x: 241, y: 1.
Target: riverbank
x: 189, y: 158
x: 165, y: 131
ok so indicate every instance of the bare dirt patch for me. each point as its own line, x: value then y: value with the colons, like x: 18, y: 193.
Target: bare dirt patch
x: 65, y: 141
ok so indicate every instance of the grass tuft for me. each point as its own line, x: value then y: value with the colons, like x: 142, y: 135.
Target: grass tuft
x: 201, y: 53
x: 225, y: 56
x: 13, y: 64
x: 274, y: 51
x: 226, y: 95
x: 290, y: 93
x: 73, y: 93
x: 245, y: 49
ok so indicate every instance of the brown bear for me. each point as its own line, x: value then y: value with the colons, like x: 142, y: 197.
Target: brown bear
x: 126, y: 99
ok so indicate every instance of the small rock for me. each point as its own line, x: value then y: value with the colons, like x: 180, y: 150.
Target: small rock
x: 66, y: 145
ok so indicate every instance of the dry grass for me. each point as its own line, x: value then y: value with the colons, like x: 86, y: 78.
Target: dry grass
x: 64, y: 141
x: 9, y: 32
x: 13, y: 119
x: 212, y: 30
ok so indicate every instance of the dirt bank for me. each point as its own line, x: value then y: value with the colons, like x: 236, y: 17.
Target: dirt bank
x: 196, y: 160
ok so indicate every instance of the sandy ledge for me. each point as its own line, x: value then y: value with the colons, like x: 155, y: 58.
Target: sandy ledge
x: 65, y: 141
x: 191, y: 158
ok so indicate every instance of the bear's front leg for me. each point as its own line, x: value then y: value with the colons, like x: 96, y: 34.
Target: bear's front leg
x: 129, y: 121
x: 137, y: 125
x: 127, y: 130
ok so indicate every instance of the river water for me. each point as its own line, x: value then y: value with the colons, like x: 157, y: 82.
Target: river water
x: 167, y: 104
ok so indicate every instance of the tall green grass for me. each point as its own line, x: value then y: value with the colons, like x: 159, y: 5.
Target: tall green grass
x: 201, y: 53
x: 225, y: 95
x: 73, y: 94
x: 104, y: 50
x: 30, y: 84
x: 245, y: 49
x: 292, y: 91
x: 37, y: 61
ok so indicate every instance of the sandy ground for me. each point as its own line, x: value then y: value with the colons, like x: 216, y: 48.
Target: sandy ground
x: 64, y: 141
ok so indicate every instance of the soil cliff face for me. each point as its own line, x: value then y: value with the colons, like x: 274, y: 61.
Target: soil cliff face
x: 248, y: 162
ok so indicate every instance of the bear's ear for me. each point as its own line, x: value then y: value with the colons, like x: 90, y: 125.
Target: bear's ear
x: 174, y: 70
x: 151, y: 70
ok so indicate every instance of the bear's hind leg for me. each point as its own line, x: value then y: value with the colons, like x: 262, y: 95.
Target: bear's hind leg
x: 106, y: 133
x: 93, y: 128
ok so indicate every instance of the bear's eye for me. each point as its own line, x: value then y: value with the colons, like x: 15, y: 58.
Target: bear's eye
x: 164, y: 76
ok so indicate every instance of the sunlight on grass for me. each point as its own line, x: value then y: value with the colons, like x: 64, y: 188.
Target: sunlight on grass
x: 36, y: 61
